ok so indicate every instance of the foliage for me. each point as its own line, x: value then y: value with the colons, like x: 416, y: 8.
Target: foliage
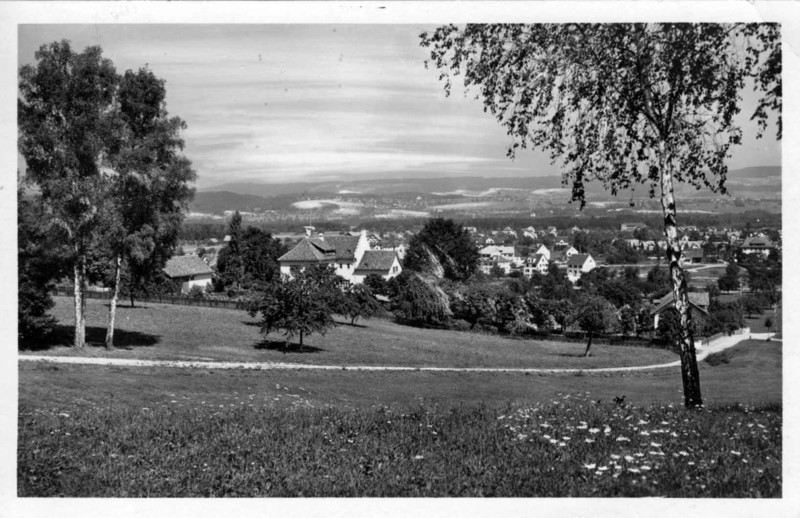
x: 301, y: 305
x: 729, y: 281
x: 66, y: 122
x: 230, y: 264
x: 475, y: 304
x: 512, y: 315
x: 252, y: 261
x: 377, y: 284
x: 420, y: 302
x: 197, y: 292
x: 446, y: 242
x: 754, y: 304
x: 40, y: 262
x: 357, y: 301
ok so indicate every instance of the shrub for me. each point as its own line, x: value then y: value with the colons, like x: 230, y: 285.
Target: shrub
x: 197, y: 292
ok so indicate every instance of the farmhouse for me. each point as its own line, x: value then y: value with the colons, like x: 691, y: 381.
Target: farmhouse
x: 342, y: 252
x: 189, y: 271
x: 385, y: 263
x: 578, y: 264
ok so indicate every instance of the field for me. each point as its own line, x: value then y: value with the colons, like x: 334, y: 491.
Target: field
x: 124, y: 431
x: 162, y: 331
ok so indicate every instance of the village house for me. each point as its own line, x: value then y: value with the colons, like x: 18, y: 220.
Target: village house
x: 486, y: 265
x: 385, y: 263
x: 757, y: 245
x: 578, y: 264
x: 535, y: 263
x: 189, y: 271
x: 544, y: 251
x: 343, y: 252
x: 630, y: 227
x: 490, y: 252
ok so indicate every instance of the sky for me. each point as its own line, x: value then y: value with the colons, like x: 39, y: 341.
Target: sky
x: 286, y: 103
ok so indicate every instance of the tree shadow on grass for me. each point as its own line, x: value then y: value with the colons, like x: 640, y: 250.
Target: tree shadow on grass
x: 348, y: 324
x: 96, y: 337
x: 282, y: 346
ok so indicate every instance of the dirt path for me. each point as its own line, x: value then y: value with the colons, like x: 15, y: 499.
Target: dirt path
x: 717, y: 345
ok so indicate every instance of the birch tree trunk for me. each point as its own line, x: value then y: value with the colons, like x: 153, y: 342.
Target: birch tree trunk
x: 112, y: 310
x: 80, y: 304
x: 689, y: 371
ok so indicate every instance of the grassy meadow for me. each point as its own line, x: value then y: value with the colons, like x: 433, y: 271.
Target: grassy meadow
x: 90, y: 430
x: 168, y: 332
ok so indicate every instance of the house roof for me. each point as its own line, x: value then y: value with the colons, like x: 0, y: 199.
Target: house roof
x: 757, y: 242
x: 307, y: 250
x: 377, y: 260
x: 338, y: 248
x: 185, y: 266
x: 698, y: 299
x: 577, y: 259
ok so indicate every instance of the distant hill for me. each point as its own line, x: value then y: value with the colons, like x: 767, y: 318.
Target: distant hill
x: 756, y: 182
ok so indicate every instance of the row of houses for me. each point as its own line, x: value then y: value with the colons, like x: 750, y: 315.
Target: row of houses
x: 505, y: 258
x: 351, y: 256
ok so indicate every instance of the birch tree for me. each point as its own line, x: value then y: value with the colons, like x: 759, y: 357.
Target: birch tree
x: 623, y: 104
x: 149, y: 183
x: 65, y: 118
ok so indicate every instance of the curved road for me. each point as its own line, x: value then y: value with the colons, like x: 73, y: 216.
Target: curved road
x: 717, y: 345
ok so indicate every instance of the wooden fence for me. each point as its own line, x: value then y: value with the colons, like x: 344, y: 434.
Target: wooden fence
x: 164, y: 299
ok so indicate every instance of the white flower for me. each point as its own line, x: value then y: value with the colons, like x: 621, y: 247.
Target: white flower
x: 590, y: 466
x: 418, y: 457
x: 655, y: 445
x: 683, y: 453
x: 736, y: 452
x: 594, y: 430
x: 628, y: 458
x: 546, y: 436
x: 633, y: 470
x: 602, y: 468
x: 623, y: 439
x: 615, y: 457
x: 646, y: 468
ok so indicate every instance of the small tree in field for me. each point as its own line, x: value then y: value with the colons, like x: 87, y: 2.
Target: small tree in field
x: 302, y: 305
x: 595, y: 315
x: 623, y: 104
x: 358, y: 302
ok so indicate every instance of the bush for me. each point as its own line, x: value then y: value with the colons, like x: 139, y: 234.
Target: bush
x: 197, y: 292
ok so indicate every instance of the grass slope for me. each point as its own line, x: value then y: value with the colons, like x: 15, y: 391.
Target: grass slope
x: 163, y: 331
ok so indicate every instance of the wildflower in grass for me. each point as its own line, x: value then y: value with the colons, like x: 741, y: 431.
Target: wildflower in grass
x: 562, y: 444
x: 546, y: 436
x: 588, y: 441
x: 615, y: 457
x: 629, y: 458
x: 645, y: 433
x: 690, y: 463
x: 683, y: 453
x: 418, y: 457
x: 594, y: 430
x: 735, y: 452
x: 607, y: 430
x: 655, y: 445
x: 646, y: 467
x: 634, y: 470
x: 623, y: 439
x: 637, y: 454
x: 590, y: 466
